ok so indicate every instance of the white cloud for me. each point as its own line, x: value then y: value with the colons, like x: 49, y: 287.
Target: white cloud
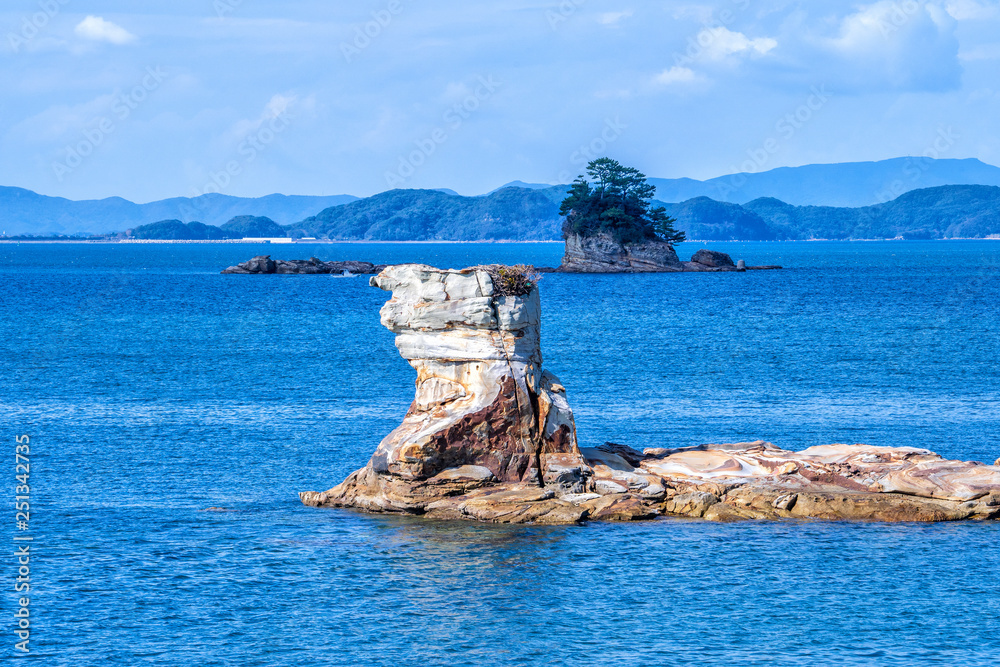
x: 675, y: 74
x: 963, y: 10
x: 63, y: 122
x: 96, y: 29
x: 887, y: 24
x: 982, y: 52
x: 279, y: 105
x: 983, y: 94
x: 720, y: 42
x: 612, y: 18
x: 891, y: 45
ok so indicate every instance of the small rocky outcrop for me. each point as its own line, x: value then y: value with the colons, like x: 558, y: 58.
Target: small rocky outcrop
x: 713, y: 259
x: 264, y: 264
x: 490, y: 436
x: 601, y: 253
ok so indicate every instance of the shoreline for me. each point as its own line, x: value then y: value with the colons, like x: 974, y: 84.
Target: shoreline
x: 242, y: 242
x: 442, y: 242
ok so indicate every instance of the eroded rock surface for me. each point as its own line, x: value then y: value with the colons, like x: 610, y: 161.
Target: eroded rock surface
x: 490, y: 436
x: 848, y: 482
x: 601, y: 253
x: 484, y: 412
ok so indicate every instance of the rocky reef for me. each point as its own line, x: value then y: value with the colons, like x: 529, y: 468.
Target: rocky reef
x: 602, y: 253
x: 264, y: 264
x: 490, y: 436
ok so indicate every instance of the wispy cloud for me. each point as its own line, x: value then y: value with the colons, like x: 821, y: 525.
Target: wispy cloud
x: 964, y: 10
x: 96, y: 29
x: 723, y: 70
x: 279, y: 105
x: 674, y: 75
x: 723, y: 42
x: 613, y: 18
x: 898, y: 46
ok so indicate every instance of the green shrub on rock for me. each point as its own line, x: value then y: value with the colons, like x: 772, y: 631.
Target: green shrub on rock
x: 616, y: 200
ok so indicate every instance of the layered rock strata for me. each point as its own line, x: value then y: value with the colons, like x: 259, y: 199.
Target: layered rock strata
x: 490, y: 436
x: 759, y: 481
x: 264, y: 264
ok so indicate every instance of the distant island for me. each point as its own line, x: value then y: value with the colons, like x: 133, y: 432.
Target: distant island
x: 240, y: 227
x: 531, y: 212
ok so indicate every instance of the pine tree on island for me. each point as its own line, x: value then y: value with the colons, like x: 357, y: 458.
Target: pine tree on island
x: 616, y: 200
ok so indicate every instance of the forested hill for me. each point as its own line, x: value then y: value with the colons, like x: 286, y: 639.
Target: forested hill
x: 840, y: 200
x: 422, y: 215
x: 514, y: 213
x: 532, y: 214
x: 950, y: 211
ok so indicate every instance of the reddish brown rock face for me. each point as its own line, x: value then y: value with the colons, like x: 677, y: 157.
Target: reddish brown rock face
x: 493, y: 438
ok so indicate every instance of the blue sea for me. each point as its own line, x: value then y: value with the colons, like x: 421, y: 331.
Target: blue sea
x: 153, y: 388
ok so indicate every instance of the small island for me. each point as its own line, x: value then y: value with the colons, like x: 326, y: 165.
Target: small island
x: 611, y: 226
x: 490, y: 436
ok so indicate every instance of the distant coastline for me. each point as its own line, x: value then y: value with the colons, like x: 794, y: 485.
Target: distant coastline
x: 245, y: 242
x: 442, y: 242
x: 935, y: 211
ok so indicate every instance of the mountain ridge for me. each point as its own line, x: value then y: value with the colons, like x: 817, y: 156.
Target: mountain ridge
x: 529, y: 211
x: 24, y: 211
x: 841, y: 184
x: 951, y: 211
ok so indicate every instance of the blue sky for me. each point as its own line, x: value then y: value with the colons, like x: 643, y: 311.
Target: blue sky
x: 158, y: 99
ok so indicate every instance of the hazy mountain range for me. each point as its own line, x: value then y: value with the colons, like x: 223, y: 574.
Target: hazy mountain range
x: 852, y: 184
x: 947, y: 211
x: 26, y: 212
x: 905, y: 197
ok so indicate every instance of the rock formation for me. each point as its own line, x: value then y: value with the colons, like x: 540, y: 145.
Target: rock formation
x: 484, y: 413
x: 490, y: 436
x: 601, y: 253
x: 264, y: 264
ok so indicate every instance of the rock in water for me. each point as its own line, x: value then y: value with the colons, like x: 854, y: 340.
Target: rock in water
x: 484, y: 410
x: 490, y: 436
x: 264, y: 264
x: 482, y: 398
x: 713, y: 258
x: 258, y: 264
x: 601, y: 253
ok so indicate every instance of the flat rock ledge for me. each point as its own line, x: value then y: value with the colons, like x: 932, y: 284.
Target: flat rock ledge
x: 727, y: 482
x: 264, y: 264
x: 490, y: 436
